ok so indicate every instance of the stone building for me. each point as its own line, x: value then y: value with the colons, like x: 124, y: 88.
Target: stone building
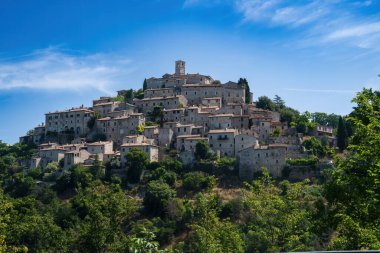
x: 74, y: 157
x: 252, y: 159
x: 186, y: 146
x: 220, y: 121
x: 223, y: 141
x: 100, y: 147
x: 48, y: 155
x: 177, y: 79
x: 148, y: 104
x: 74, y: 120
x: 162, y: 92
x: 212, y: 101
x: 103, y: 109
x: 116, y: 128
x: 176, y: 115
x: 149, y: 149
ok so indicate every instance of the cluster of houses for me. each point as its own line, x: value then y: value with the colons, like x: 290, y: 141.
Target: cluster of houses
x: 177, y: 111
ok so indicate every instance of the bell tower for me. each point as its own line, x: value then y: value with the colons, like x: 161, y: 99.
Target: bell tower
x: 180, y: 68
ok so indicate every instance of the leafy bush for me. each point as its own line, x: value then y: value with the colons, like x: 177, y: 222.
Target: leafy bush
x: 197, y: 181
x: 157, y: 196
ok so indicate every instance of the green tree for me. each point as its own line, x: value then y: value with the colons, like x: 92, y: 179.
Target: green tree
x: 279, y: 102
x: 352, y: 190
x: 277, y: 219
x: 265, y: 103
x: 145, y: 85
x: 137, y: 162
x: 196, y: 181
x: 157, y: 196
x: 209, y: 233
x: 52, y: 167
x: 315, y: 147
x: 342, y: 137
x: 244, y: 83
x: 104, y: 211
x: 202, y: 150
x: 97, y: 169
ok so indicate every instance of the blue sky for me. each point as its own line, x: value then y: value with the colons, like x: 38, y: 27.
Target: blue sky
x: 55, y: 55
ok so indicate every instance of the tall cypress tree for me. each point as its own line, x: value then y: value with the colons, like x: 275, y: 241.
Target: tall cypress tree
x: 145, y: 85
x: 244, y: 83
x: 342, y: 137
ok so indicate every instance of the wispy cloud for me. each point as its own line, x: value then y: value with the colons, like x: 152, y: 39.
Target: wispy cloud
x: 321, y: 91
x: 357, y: 31
x: 318, y: 22
x: 279, y: 12
x: 53, y: 68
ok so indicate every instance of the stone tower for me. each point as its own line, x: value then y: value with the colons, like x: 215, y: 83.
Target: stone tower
x: 180, y: 68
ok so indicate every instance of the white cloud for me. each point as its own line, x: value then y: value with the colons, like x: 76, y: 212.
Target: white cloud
x: 280, y: 12
x: 52, y: 69
x: 318, y: 22
x: 321, y: 91
x: 356, y: 31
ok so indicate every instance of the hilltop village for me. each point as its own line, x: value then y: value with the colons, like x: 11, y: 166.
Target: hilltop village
x: 172, y: 115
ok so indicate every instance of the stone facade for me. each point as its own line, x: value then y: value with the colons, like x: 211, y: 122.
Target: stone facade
x: 223, y: 141
x: 148, y: 104
x: 103, y: 109
x: 149, y: 149
x: 74, y: 120
x: 252, y: 159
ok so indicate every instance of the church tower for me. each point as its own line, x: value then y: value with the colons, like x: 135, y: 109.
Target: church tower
x: 180, y: 68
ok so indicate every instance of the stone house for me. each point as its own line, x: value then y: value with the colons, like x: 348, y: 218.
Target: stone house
x: 74, y: 157
x: 212, y: 101
x: 178, y: 79
x: 149, y: 149
x: 148, y: 104
x: 152, y: 132
x: 223, y: 141
x: 243, y: 141
x: 252, y: 159
x: 100, y: 147
x: 166, y: 136
x: 48, y: 155
x: 174, y: 115
x: 210, y: 109
x: 116, y: 128
x: 39, y: 134
x: 161, y: 92
x: 101, y: 100
x: 240, y: 122
x: 192, y: 115
x: 103, y: 109
x: 137, y: 139
x: 122, y: 113
x: 74, y: 120
x: 186, y: 146
x: 220, y: 121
